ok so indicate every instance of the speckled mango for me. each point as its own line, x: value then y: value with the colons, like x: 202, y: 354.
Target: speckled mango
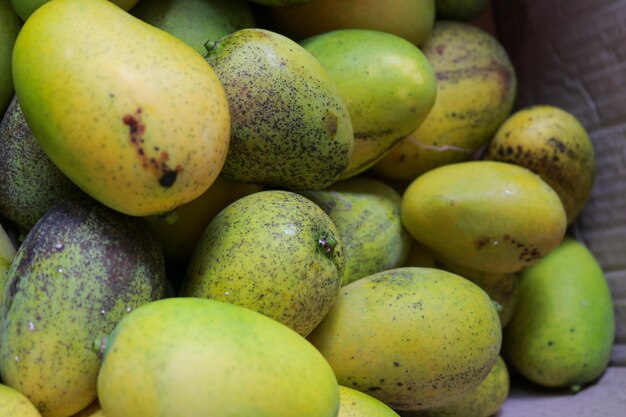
x: 81, y: 268
x: 386, y: 82
x: 563, y: 329
x: 484, y: 215
x: 27, y: 7
x: 131, y: 114
x: 476, y: 89
x: 366, y: 213
x: 198, y: 357
x: 354, y: 403
x: 14, y: 404
x: 196, y: 21
x: 10, y: 25
x: 32, y: 183
x: 290, y: 127
x: 553, y: 144
x: 411, y: 337
x: 275, y: 252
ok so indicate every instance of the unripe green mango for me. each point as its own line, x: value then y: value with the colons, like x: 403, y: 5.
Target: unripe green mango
x: 354, y: 403
x: 10, y: 25
x: 131, y: 114
x: 81, y: 268
x: 15, y: 404
x: 562, y: 331
x: 27, y: 7
x: 183, y: 357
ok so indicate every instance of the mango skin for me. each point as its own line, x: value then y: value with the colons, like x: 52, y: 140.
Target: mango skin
x: 484, y: 215
x: 274, y: 252
x: 562, y: 332
x: 13, y: 403
x: 121, y: 127
x: 290, y: 127
x: 25, y: 8
x: 387, y: 83
x: 92, y: 410
x: 31, y: 184
x: 81, y: 268
x: 195, y: 355
x: 10, y: 25
x: 196, y: 21
x: 366, y: 213
x: 353, y: 403
x: 411, y: 337
x: 476, y: 89
x: 553, y: 144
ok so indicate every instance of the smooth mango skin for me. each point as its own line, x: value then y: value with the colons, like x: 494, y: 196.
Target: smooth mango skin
x: 411, y: 337
x: 366, y: 213
x: 476, y: 89
x: 275, y: 252
x: 131, y: 114
x: 290, y: 127
x: 25, y: 8
x: 410, y: 19
x: 386, y: 82
x: 31, y: 184
x: 353, y: 403
x: 562, y: 332
x: 81, y: 268
x: 553, y: 144
x: 186, y: 357
x: 14, y: 404
x: 196, y: 21
x: 484, y: 215
x: 10, y: 25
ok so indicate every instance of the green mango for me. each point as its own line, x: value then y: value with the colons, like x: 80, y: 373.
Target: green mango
x: 196, y: 21
x: 354, y: 403
x: 290, y: 127
x: 81, y: 268
x: 275, y: 252
x: 31, y: 182
x: 25, y: 8
x: 7, y: 253
x: 10, y: 25
x: 563, y: 328
x: 15, y: 404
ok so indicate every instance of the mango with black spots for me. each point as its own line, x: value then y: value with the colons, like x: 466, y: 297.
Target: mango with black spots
x: 411, y: 337
x: 131, y: 114
x: 15, y: 404
x: 553, y: 143
x: 182, y: 357
x: 485, y: 216
x: 27, y: 7
x: 81, y: 268
x: 11, y: 24
x: 387, y: 83
x: 354, y: 403
x: 290, y: 127
x: 275, y: 252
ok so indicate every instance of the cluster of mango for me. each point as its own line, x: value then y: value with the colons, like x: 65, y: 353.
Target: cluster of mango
x: 283, y: 208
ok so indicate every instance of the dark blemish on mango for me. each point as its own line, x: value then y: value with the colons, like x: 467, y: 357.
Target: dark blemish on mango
x: 557, y: 144
x: 331, y: 121
x: 372, y: 389
x: 396, y: 364
x: 481, y: 242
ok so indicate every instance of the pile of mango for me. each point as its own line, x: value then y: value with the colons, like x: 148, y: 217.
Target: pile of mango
x: 284, y: 208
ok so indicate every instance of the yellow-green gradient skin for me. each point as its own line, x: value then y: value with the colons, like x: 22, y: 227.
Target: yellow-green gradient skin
x: 183, y: 357
x: 562, y: 331
x: 552, y: 143
x: 476, y: 89
x: 10, y: 25
x: 353, y: 403
x: 81, y: 268
x: 386, y: 82
x: 196, y: 21
x: 275, y: 252
x: 484, y: 401
x: 14, y: 404
x: 366, y: 213
x: 131, y: 114
x: 411, y: 337
x: 27, y: 7
x: 484, y: 215
x: 290, y: 127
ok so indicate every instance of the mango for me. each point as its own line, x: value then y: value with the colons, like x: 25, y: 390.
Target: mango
x: 476, y: 89
x: 27, y: 7
x: 7, y: 253
x: 32, y: 183
x: 14, y: 404
x: 562, y: 332
x: 275, y: 252
x: 484, y: 215
x: 412, y: 338
x: 553, y: 144
x: 386, y: 82
x: 81, y: 268
x: 182, y: 357
x: 290, y: 127
x: 366, y: 213
x: 353, y: 403
x: 92, y: 410
x: 131, y: 114
x: 196, y: 21
x: 10, y: 25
